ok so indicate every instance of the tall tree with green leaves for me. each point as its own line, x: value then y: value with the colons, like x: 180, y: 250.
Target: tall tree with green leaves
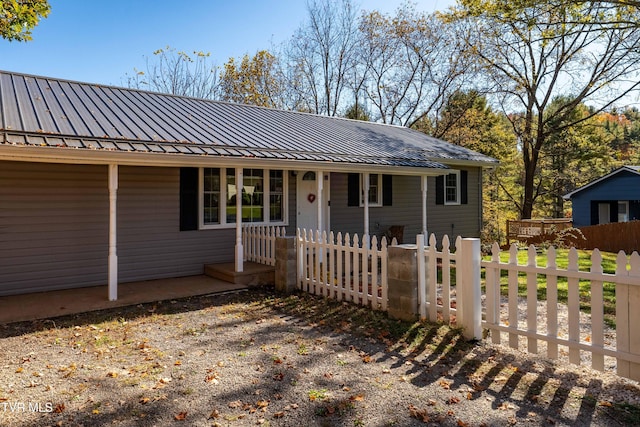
x: 18, y: 18
x: 534, y: 51
x: 468, y: 120
x: 574, y: 156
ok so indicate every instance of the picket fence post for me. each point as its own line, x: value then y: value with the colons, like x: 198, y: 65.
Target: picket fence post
x: 469, y: 308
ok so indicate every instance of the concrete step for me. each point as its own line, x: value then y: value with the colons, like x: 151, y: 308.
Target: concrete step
x: 253, y: 274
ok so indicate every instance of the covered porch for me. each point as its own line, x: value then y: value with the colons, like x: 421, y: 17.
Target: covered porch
x: 44, y: 305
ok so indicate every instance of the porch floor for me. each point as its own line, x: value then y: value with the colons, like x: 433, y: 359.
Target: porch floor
x: 42, y: 305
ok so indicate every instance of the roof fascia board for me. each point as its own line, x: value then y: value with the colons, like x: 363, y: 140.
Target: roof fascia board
x: 596, y: 181
x: 100, y: 157
x: 468, y: 163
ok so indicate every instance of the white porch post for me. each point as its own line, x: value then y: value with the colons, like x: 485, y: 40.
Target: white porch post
x: 365, y: 188
x: 320, y: 185
x: 239, y: 248
x: 423, y: 187
x: 113, y: 230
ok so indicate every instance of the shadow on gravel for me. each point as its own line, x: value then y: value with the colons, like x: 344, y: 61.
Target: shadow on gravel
x: 430, y: 356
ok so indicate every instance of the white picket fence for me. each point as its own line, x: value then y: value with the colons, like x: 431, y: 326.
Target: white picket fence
x: 577, y: 332
x: 259, y: 243
x: 343, y: 269
x: 452, y: 290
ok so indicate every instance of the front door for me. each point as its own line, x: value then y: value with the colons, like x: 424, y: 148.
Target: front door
x: 307, y: 201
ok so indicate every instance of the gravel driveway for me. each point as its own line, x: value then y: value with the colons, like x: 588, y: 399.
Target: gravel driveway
x: 256, y: 358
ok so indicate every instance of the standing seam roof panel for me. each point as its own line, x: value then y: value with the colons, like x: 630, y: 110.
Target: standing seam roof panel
x: 25, y: 109
x: 93, y: 119
x: 12, y: 119
x: 44, y: 114
x: 168, y: 109
x: 60, y: 107
x: 255, y: 139
x: 126, y: 125
x: 58, y: 112
x: 203, y: 122
x: 144, y: 115
x: 107, y: 120
x: 100, y: 112
x: 228, y: 135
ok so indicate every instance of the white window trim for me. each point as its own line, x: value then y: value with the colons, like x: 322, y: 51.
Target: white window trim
x: 458, y: 189
x: 223, y: 198
x: 625, y: 203
x: 361, y: 189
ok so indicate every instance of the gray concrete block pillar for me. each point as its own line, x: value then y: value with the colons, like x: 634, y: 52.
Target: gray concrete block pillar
x: 286, y: 267
x: 403, y: 282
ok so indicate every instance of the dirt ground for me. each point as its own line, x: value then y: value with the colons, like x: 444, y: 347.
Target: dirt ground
x: 257, y: 358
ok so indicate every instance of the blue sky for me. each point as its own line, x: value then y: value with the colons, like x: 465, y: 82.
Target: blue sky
x: 101, y: 41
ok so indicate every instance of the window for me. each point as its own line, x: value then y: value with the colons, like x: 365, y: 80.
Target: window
x: 211, y: 202
x: 276, y: 195
x: 252, y: 195
x: 375, y: 190
x: 263, y: 196
x: 380, y: 190
x: 452, y: 188
x: 623, y: 211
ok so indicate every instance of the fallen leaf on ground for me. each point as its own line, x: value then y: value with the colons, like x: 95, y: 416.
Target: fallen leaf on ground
x: 181, y: 416
x: 419, y: 414
x: 445, y: 384
x: 235, y: 404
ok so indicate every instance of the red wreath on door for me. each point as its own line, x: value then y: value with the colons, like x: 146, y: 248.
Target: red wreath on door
x: 311, y: 197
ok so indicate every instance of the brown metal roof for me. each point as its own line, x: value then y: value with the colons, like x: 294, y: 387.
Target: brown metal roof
x: 42, y: 111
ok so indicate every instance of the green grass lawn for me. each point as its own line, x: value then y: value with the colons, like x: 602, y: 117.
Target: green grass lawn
x: 562, y: 260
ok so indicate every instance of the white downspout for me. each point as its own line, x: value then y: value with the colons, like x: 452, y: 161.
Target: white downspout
x: 113, y: 232
x: 423, y: 187
x: 239, y: 248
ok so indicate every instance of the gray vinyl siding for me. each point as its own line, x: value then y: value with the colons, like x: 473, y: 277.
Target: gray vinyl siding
x: 53, y: 226
x: 456, y: 220
x: 406, y: 209
x: 150, y: 243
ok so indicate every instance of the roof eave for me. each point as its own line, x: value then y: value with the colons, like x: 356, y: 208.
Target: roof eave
x: 568, y: 196
x: 26, y: 153
x: 468, y: 163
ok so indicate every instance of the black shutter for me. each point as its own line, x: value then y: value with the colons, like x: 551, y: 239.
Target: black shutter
x: 353, y: 190
x: 594, y: 213
x: 188, y: 199
x: 387, y: 190
x: 464, y: 175
x: 613, y: 212
x: 440, y: 190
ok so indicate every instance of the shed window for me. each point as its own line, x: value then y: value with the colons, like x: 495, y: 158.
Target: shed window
x: 623, y: 211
